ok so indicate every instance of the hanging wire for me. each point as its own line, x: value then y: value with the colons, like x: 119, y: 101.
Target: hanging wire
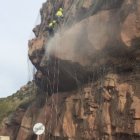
x: 53, y: 105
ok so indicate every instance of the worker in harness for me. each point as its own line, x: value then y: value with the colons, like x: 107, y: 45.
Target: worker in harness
x: 59, y: 15
x: 51, y: 28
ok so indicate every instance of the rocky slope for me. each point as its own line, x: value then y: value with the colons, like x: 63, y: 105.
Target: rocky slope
x: 14, y: 107
x: 88, y: 74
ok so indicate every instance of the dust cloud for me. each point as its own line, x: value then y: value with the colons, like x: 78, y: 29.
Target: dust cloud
x: 81, y: 42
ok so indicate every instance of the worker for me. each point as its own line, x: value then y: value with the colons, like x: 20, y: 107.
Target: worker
x: 59, y: 15
x: 51, y: 27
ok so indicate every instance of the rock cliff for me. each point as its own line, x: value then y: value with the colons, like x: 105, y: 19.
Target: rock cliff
x: 88, y: 73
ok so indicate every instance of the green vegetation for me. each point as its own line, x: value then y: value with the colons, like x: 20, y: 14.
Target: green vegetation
x: 21, y: 98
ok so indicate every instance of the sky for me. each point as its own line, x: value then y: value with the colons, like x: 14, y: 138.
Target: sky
x: 17, y: 19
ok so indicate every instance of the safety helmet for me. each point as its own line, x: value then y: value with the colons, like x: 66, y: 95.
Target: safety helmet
x: 54, y: 21
x: 60, y: 9
x: 50, y: 24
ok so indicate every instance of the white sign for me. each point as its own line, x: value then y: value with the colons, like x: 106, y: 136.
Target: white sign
x: 39, y: 128
x: 4, y: 138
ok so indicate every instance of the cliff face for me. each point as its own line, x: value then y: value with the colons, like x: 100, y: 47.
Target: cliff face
x: 88, y: 73
x: 93, y: 33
